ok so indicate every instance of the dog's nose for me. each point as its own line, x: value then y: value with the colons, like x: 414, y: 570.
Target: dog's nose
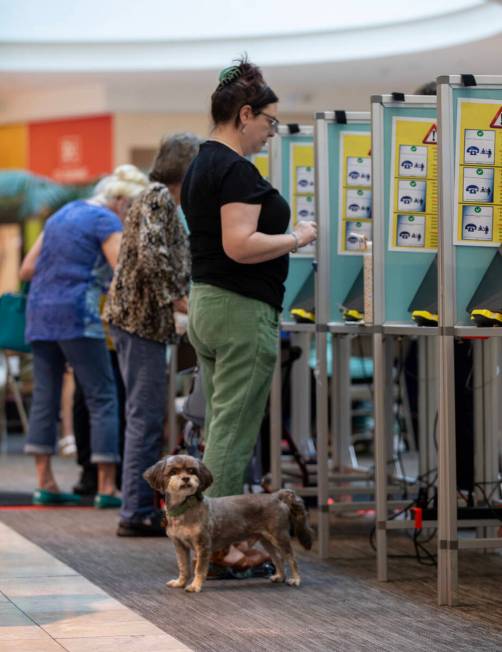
x: 186, y: 479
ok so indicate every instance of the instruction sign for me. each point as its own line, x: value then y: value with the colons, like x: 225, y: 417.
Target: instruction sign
x: 414, y: 192
x: 478, y: 173
x: 354, y: 223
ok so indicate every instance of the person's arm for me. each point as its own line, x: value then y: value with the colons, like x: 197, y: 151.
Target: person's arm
x: 244, y: 244
x: 111, y: 248
x: 30, y: 260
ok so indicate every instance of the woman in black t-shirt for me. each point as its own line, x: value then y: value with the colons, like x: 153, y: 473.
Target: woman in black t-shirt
x: 240, y: 252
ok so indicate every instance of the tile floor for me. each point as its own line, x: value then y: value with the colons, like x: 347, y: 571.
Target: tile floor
x: 45, y: 606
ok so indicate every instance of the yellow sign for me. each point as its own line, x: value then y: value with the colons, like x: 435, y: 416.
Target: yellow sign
x: 414, y: 189
x: 302, y: 186
x: 354, y: 224
x: 478, y: 173
x: 262, y: 163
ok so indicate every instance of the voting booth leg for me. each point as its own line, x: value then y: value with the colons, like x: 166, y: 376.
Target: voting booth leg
x: 276, y: 424
x: 479, y: 425
x: 335, y: 425
x: 345, y: 402
x: 423, y: 421
x: 447, y: 513
x: 300, y: 394
x: 321, y: 378
x: 388, y: 389
x: 341, y: 403
x: 486, y: 452
x: 381, y: 438
x: 427, y: 404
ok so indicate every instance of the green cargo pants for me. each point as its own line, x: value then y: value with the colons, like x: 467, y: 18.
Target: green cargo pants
x: 236, y: 340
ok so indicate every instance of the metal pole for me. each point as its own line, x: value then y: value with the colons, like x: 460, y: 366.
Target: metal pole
x: 322, y: 316
x: 447, y: 478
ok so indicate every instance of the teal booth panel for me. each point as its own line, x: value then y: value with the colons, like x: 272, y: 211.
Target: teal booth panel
x: 299, y: 266
x: 403, y: 271
x: 343, y: 268
x: 299, y: 270
x: 471, y: 263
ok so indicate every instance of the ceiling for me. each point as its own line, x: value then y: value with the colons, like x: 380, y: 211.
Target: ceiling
x: 334, y: 61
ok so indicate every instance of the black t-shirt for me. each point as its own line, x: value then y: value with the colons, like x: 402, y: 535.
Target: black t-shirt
x: 219, y: 176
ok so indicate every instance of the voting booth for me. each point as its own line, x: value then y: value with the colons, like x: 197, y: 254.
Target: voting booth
x: 343, y: 200
x: 291, y: 168
x: 405, y: 239
x: 470, y: 182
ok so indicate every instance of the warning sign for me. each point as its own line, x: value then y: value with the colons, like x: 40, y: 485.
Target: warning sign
x: 497, y: 120
x: 431, y: 137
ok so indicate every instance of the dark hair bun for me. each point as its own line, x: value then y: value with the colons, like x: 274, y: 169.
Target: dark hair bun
x: 239, y: 85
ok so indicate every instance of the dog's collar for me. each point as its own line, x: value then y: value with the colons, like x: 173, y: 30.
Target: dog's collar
x: 189, y: 502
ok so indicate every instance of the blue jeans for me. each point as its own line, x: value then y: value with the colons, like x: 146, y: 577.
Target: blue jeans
x: 143, y: 368
x: 90, y: 360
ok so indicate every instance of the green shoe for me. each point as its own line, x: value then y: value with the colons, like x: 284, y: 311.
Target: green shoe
x: 43, y: 497
x: 105, y: 501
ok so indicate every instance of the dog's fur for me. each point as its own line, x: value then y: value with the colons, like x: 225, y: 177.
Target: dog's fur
x: 212, y: 524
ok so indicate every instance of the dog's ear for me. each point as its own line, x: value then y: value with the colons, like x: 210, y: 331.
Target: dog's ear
x: 156, y: 474
x: 205, y: 477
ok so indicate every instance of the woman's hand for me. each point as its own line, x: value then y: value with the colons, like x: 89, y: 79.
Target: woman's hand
x: 306, y: 232
x: 181, y: 305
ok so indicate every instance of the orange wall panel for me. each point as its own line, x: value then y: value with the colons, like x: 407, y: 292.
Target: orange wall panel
x: 13, y: 147
x: 71, y: 151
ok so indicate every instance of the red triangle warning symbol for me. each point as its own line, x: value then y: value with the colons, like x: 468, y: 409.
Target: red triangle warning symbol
x: 431, y: 137
x: 497, y: 120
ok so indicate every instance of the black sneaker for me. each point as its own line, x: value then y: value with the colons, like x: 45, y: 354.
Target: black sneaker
x: 215, y: 572
x: 149, y: 527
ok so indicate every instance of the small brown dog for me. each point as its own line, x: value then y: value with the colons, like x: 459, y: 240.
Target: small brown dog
x: 206, y: 525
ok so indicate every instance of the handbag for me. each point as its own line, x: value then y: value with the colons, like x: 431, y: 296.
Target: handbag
x: 13, y: 322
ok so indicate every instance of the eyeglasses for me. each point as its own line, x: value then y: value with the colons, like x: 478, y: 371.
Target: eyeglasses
x: 273, y: 122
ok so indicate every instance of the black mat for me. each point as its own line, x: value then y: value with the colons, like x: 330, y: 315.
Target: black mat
x: 19, y: 499
x: 15, y: 498
x: 340, y: 607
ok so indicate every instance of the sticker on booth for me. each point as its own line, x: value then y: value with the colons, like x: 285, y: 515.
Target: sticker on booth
x: 354, y: 214
x: 413, y: 216
x: 478, y: 173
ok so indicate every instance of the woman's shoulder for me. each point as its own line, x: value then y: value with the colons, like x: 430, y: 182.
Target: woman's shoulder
x: 155, y: 197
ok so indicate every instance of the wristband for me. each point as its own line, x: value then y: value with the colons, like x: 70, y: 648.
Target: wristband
x: 297, y: 243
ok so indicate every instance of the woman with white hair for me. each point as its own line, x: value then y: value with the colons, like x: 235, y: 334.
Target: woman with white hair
x: 69, y: 266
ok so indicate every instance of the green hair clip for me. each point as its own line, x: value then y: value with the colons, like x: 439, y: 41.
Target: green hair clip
x: 230, y: 74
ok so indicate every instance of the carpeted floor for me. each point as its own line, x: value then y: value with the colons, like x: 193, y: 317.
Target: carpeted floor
x: 340, y: 607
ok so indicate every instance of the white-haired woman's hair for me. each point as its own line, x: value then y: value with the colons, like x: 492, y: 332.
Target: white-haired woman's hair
x: 126, y: 181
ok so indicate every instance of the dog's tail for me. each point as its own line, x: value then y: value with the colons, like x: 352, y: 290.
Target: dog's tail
x: 298, y: 517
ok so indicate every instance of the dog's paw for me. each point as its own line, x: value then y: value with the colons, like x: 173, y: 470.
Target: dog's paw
x: 193, y: 588
x: 293, y: 581
x: 277, y: 578
x: 176, y: 584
